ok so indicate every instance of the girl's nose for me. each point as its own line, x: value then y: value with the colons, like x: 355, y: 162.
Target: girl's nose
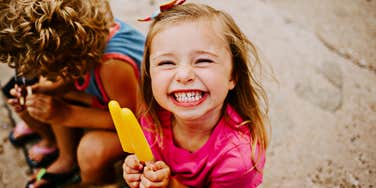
x: 185, y: 74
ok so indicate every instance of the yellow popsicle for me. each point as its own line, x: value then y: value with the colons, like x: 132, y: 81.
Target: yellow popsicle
x: 130, y: 133
x: 121, y: 129
x: 138, y: 141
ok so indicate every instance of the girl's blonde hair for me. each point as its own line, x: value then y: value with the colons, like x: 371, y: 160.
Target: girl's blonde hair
x: 59, y: 37
x: 246, y: 97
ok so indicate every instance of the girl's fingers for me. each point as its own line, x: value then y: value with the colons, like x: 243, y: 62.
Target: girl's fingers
x: 133, y: 180
x: 145, y: 182
x: 133, y: 177
x: 157, y: 165
x: 156, y: 175
x: 132, y: 162
x: 134, y: 185
x: 130, y: 170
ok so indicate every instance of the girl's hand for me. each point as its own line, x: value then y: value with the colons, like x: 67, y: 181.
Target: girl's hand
x: 46, y: 108
x: 132, y: 171
x: 155, y: 175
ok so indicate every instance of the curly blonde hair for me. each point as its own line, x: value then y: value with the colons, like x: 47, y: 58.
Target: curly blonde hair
x: 53, y: 37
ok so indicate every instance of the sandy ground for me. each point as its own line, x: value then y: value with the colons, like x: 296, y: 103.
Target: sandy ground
x: 322, y: 100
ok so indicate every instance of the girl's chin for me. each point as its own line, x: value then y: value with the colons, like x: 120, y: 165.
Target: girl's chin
x: 187, y: 116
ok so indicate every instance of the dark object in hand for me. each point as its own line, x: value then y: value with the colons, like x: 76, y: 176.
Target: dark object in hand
x: 23, y: 84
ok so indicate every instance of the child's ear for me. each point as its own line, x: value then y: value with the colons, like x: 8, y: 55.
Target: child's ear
x: 233, y: 80
x: 232, y: 84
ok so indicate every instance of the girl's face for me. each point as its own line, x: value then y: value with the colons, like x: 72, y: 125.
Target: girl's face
x: 190, y: 69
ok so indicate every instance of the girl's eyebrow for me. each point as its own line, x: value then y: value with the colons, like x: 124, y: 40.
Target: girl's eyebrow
x: 206, y: 52
x: 152, y: 57
x: 169, y: 54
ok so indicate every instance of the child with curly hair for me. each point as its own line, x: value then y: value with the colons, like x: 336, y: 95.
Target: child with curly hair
x: 84, y: 57
x: 204, y: 117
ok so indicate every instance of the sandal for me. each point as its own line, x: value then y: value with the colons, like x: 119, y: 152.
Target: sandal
x: 26, y: 134
x: 50, y: 155
x: 55, y: 179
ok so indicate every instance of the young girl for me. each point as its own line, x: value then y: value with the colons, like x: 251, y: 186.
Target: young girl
x: 203, y: 119
x: 90, y: 57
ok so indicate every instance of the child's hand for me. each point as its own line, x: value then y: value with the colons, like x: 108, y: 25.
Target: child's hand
x: 48, y: 87
x: 46, y: 108
x: 15, y: 102
x: 132, y: 171
x: 156, y: 175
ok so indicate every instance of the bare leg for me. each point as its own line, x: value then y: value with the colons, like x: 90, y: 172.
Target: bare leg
x: 45, y: 132
x: 67, y: 141
x: 43, y: 129
x: 68, y: 138
x: 98, y: 151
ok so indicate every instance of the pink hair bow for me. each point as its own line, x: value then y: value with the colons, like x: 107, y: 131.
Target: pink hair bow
x: 163, y: 7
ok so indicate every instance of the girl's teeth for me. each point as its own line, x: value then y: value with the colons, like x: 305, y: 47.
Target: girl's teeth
x: 188, y: 96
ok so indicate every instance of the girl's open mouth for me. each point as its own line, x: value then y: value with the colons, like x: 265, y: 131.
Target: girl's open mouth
x: 188, y: 98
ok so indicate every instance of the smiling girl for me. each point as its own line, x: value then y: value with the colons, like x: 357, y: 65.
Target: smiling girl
x: 203, y: 119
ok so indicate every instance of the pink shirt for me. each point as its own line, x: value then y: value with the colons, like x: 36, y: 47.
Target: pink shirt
x: 223, y: 161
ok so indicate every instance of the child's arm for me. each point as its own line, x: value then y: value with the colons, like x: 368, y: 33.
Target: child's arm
x: 58, y: 87
x: 42, y: 86
x: 120, y: 83
x: 53, y: 110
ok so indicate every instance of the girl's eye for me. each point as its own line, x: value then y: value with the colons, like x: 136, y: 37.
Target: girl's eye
x: 204, y: 61
x: 165, y: 63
